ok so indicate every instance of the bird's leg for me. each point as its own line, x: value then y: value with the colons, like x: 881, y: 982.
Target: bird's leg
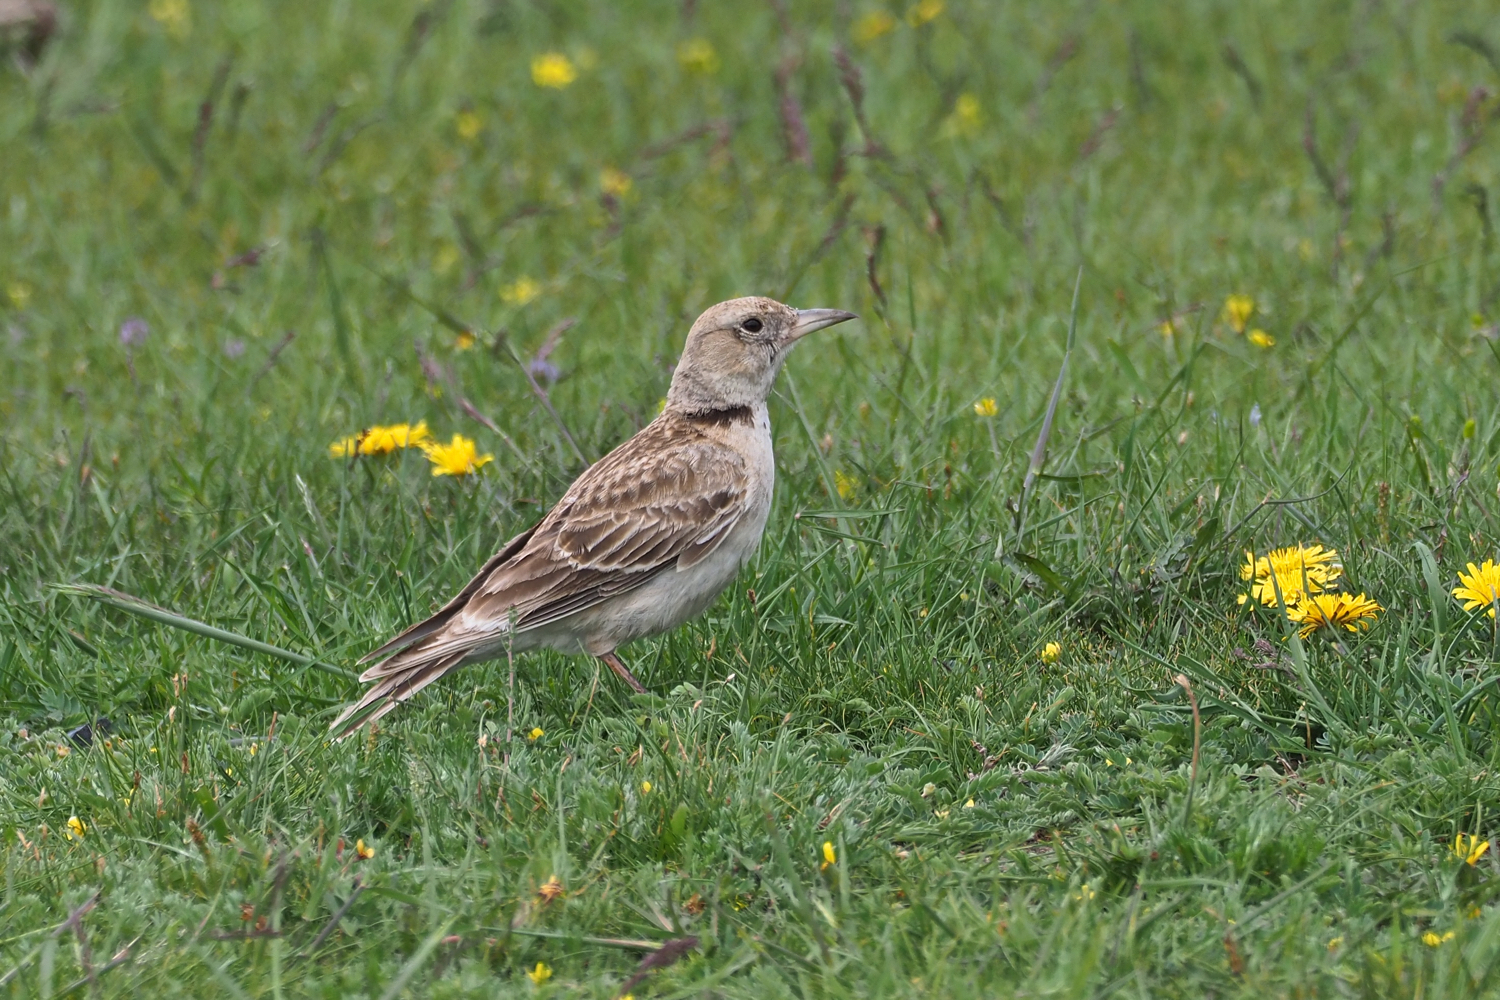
x: 613, y: 662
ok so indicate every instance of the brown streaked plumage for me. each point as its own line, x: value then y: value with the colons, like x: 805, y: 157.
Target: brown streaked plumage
x: 643, y: 540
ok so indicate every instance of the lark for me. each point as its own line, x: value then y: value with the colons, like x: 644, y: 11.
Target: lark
x: 642, y: 541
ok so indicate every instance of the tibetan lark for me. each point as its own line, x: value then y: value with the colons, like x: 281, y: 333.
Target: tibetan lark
x: 642, y: 541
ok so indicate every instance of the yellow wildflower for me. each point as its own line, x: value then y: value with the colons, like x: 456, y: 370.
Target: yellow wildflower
x: 550, y: 889
x: 844, y: 483
x: 467, y: 124
x: 697, y: 55
x: 381, y: 440
x: 535, y: 734
x: 1431, y: 939
x: 521, y: 291
x: 872, y: 25
x: 1479, y: 587
x: 540, y: 974
x: 1287, y: 567
x: 969, y: 804
x: 926, y: 10
x: 829, y: 857
x: 1333, y: 611
x: 1470, y: 847
x: 458, y: 457
x: 1052, y: 652
x: 645, y: 788
x: 985, y: 407
x: 966, y: 114
x: 364, y: 851
x: 1237, y: 311
x: 555, y: 70
x: 464, y: 341
x: 173, y: 15
x: 614, y: 182
x: 1334, y: 943
x: 76, y: 828
x: 1261, y: 338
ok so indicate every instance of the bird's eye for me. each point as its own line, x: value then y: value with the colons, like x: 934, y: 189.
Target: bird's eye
x: 752, y: 325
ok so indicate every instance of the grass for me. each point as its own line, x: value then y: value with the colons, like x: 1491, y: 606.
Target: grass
x: 314, y: 208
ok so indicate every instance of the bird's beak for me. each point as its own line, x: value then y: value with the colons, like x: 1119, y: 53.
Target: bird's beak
x: 809, y: 320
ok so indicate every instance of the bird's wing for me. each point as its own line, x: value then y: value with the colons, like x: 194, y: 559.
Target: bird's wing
x: 639, y: 511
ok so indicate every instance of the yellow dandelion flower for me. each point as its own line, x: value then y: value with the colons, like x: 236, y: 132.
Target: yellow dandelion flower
x: 1470, y: 848
x: 535, y: 734
x: 76, y: 828
x: 344, y: 448
x: 458, y: 457
x: 615, y: 183
x: 985, y: 407
x: 467, y: 124
x: 697, y: 55
x: 844, y: 483
x: 966, y: 114
x: 1480, y: 587
x: 1237, y: 311
x: 872, y: 25
x: 1287, y: 567
x: 926, y: 10
x: 1052, y: 652
x: 384, y: 439
x: 1334, y: 611
x: 1432, y: 939
x: 1261, y: 339
x: 550, y: 889
x: 520, y: 291
x: 553, y: 69
x: 829, y: 857
x: 540, y: 974
x: 173, y: 15
x: 363, y: 850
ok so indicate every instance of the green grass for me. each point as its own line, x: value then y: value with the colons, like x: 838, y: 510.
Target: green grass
x: 887, y: 669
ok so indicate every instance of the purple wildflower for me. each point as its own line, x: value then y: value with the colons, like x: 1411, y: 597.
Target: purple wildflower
x: 133, y: 331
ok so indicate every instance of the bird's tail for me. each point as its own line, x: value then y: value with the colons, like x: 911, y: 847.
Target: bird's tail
x: 396, y: 680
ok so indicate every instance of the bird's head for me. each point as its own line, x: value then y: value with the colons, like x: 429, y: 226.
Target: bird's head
x: 735, y: 349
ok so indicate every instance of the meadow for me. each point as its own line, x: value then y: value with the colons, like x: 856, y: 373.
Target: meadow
x: 1007, y: 704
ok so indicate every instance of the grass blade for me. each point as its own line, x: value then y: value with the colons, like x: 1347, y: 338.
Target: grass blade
x: 144, y: 609
x: 1039, y: 452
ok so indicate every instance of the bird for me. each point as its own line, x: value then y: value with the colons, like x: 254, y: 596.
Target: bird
x: 643, y: 540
